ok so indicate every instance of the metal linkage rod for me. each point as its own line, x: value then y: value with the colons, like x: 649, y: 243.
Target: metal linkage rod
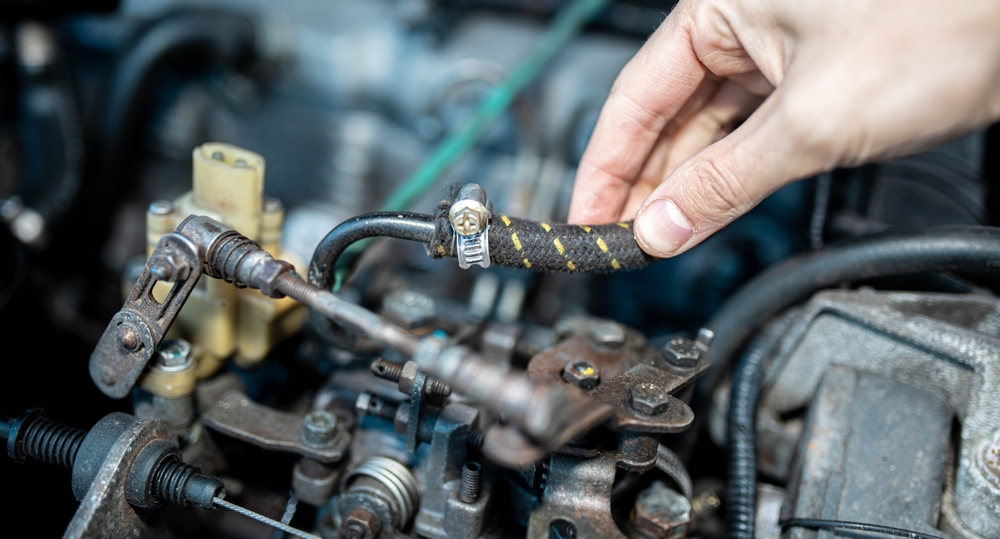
x: 261, y: 518
x: 346, y: 313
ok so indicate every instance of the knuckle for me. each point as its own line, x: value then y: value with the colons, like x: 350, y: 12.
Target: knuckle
x: 720, y: 193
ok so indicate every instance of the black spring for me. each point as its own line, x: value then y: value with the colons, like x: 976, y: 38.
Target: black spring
x: 226, y: 255
x: 52, y: 442
x: 169, y: 481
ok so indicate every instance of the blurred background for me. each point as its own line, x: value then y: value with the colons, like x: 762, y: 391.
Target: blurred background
x: 102, y: 103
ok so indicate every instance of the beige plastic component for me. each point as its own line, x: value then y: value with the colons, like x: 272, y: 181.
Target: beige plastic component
x: 230, y: 181
x: 170, y: 384
x: 219, y: 320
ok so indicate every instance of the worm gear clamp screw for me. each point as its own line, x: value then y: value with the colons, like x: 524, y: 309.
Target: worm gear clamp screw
x: 470, y: 218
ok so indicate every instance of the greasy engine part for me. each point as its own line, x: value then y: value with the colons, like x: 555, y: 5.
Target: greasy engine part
x: 884, y: 377
x: 122, y: 463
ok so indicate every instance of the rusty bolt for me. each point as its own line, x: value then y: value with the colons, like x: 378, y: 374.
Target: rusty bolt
x: 660, y: 512
x: 128, y: 338
x: 319, y: 428
x: 607, y: 334
x: 649, y: 399
x: 582, y: 374
x: 359, y: 524
x: 681, y: 352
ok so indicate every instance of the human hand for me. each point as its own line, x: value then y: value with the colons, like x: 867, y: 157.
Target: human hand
x: 829, y: 84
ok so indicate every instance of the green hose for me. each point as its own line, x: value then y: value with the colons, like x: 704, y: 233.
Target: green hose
x: 567, y: 24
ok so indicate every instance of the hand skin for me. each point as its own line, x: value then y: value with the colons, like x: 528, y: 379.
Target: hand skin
x: 825, y: 83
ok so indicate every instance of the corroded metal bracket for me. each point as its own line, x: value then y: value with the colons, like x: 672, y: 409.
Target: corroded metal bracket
x: 135, y: 332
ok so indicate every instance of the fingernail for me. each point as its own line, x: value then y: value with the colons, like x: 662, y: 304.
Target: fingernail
x: 662, y: 229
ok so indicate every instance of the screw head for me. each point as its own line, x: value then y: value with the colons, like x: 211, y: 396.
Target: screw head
x: 128, y: 338
x: 359, y: 524
x: 161, y: 207
x: 582, y: 374
x: 681, y: 352
x: 661, y: 512
x: 608, y: 334
x: 409, y: 309
x: 649, y: 399
x: 319, y: 428
x: 468, y: 216
x: 173, y: 354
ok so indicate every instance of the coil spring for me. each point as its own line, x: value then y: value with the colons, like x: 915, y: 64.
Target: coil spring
x: 227, y: 254
x: 52, y: 442
x: 170, y: 479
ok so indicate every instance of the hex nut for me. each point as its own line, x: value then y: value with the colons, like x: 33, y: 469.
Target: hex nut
x: 409, y: 309
x: 359, y: 524
x: 681, y: 352
x: 319, y: 428
x: 607, y: 334
x: 660, y: 512
x: 582, y: 374
x: 649, y: 399
x: 268, y: 276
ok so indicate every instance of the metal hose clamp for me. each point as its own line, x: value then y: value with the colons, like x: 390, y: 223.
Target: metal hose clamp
x: 470, y: 218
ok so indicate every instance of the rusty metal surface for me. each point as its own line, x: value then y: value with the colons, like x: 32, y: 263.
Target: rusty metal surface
x: 236, y: 415
x: 620, y: 370
x: 104, y: 513
x: 135, y: 332
x: 932, y: 342
x: 577, y: 500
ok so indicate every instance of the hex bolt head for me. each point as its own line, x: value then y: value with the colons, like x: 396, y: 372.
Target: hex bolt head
x: 661, y: 512
x: 608, y: 334
x: 173, y: 354
x: 359, y: 524
x: 681, y: 352
x: 469, y: 213
x: 649, y: 399
x: 319, y: 428
x: 128, y: 338
x: 409, y: 309
x: 161, y: 207
x: 582, y: 374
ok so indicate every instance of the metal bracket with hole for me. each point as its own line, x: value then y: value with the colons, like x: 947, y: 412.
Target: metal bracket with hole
x: 135, y: 332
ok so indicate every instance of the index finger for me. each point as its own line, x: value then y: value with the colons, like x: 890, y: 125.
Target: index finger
x: 650, y: 90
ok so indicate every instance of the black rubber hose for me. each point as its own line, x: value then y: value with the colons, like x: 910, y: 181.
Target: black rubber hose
x: 959, y: 249
x: 742, y: 434
x: 401, y: 225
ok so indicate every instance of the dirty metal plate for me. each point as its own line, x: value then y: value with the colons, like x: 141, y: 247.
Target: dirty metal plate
x: 114, y: 367
x: 236, y: 415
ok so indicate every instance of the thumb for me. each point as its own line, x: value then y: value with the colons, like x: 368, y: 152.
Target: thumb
x: 728, y: 178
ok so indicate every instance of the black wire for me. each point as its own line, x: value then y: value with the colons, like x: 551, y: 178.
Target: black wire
x: 823, y: 524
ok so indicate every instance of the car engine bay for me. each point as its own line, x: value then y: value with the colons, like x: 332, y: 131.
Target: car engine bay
x: 304, y: 271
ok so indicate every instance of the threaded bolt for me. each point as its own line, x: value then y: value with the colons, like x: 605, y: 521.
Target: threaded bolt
x: 387, y: 370
x: 472, y: 482
x: 392, y: 372
x: 46, y: 440
x: 368, y: 404
x: 475, y: 439
x: 436, y: 387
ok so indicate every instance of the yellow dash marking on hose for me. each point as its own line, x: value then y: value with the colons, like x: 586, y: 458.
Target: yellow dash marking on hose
x: 517, y: 242
x: 571, y: 265
x: 623, y: 225
x: 527, y: 264
x: 585, y: 228
x: 546, y: 227
x: 602, y: 245
x: 505, y: 219
x: 615, y: 264
x: 441, y: 250
x: 559, y: 246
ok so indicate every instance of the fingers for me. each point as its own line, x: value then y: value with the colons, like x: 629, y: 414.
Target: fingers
x: 728, y: 178
x: 729, y: 103
x: 648, y: 93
